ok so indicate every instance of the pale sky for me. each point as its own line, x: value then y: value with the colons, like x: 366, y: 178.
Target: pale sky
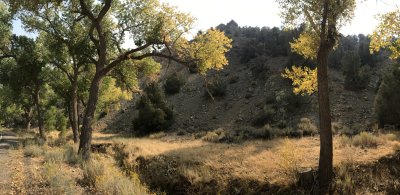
x: 210, y: 13
x: 265, y: 13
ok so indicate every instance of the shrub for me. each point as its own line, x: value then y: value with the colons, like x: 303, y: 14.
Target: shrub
x: 356, y: 76
x: 266, y: 132
x: 173, y: 84
x: 215, y: 87
x: 214, y: 136
x: 59, y: 182
x: 267, y: 115
x: 337, y: 127
x: 33, y: 151
x: 157, y: 135
x: 61, y: 140
x: 365, y: 140
x: 107, y: 179
x: 307, y: 127
x: 154, y: 114
x: 344, y: 141
x: 92, y: 171
x: 71, y: 156
x: 344, y: 183
x: 54, y: 156
x: 387, y: 100
x: 290, y: 159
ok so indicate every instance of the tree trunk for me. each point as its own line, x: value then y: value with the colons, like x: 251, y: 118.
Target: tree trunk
x: 86, y: 133
x: 28, y: 118
x: 326, y: 151
x: 74, y: 109
x: 39, y: 113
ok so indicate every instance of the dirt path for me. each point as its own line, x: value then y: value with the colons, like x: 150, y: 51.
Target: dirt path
x: 7, y: 141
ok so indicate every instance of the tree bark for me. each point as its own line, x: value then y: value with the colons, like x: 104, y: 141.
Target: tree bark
x: 327, y: 41
x: 74, y: 109
x: 28, y: 118
x: 86, y: 133
x: 39, y: 113
x: 326, y: 151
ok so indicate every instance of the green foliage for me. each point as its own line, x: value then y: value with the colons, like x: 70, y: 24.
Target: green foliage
x: 154, y: 113
x: 5, y: 27
x: 356, y: 76
x: 55, y: 119
x: 173, y: 84
x: 387, y: 100
x: 111, y: 95
x: 277, y: 106
x: 215, y: 87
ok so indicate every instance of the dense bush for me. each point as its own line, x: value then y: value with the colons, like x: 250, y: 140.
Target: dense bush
x: 265, y: 116
x: 277, y: 106
x: 154, y: 113
x: 356, y: 76
x: 307, y: 127
x: 387, y: 106
x: 55, y: 119
x: 173, y: 84
x: 215, y: 87
x: 266, y: 132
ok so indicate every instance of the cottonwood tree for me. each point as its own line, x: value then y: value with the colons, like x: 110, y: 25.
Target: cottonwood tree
x: 65, y: 45
x: 387, y: 35
x: 323, y: 19
x: 157, y: 30
x: 23, y: 73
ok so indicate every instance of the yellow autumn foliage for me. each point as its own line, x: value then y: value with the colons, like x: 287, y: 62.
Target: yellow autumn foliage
x: 387, y: 34
x: 304, y: 80
x: 306, y: 45
x: 207, y: 50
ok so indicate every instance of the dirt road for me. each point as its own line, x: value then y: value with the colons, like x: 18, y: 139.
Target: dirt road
x: 7, y: 141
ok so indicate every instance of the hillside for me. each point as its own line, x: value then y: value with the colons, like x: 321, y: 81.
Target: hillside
x: 248, y: 85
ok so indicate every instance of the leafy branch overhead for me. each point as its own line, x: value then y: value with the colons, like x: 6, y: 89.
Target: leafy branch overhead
x: 387, y: 34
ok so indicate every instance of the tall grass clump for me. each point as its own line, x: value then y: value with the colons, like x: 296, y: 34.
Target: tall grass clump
x: 365, y: 140
x: 290, y: 159
x: 33, y: 151
x: 71, y: 156
x: 59, y: 182
x: 106, y: 178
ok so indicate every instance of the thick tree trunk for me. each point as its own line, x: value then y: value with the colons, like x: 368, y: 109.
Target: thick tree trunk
x: 326, y: 152
x: 74, y: 109
x: 39, y: 113
x: 86, y: 132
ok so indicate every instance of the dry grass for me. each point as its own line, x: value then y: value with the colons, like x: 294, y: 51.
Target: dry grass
x: 258, y: 160
x: 290, y: 160
x: 59, y: 181
x: 102, y: 174
x: 33, y: 151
